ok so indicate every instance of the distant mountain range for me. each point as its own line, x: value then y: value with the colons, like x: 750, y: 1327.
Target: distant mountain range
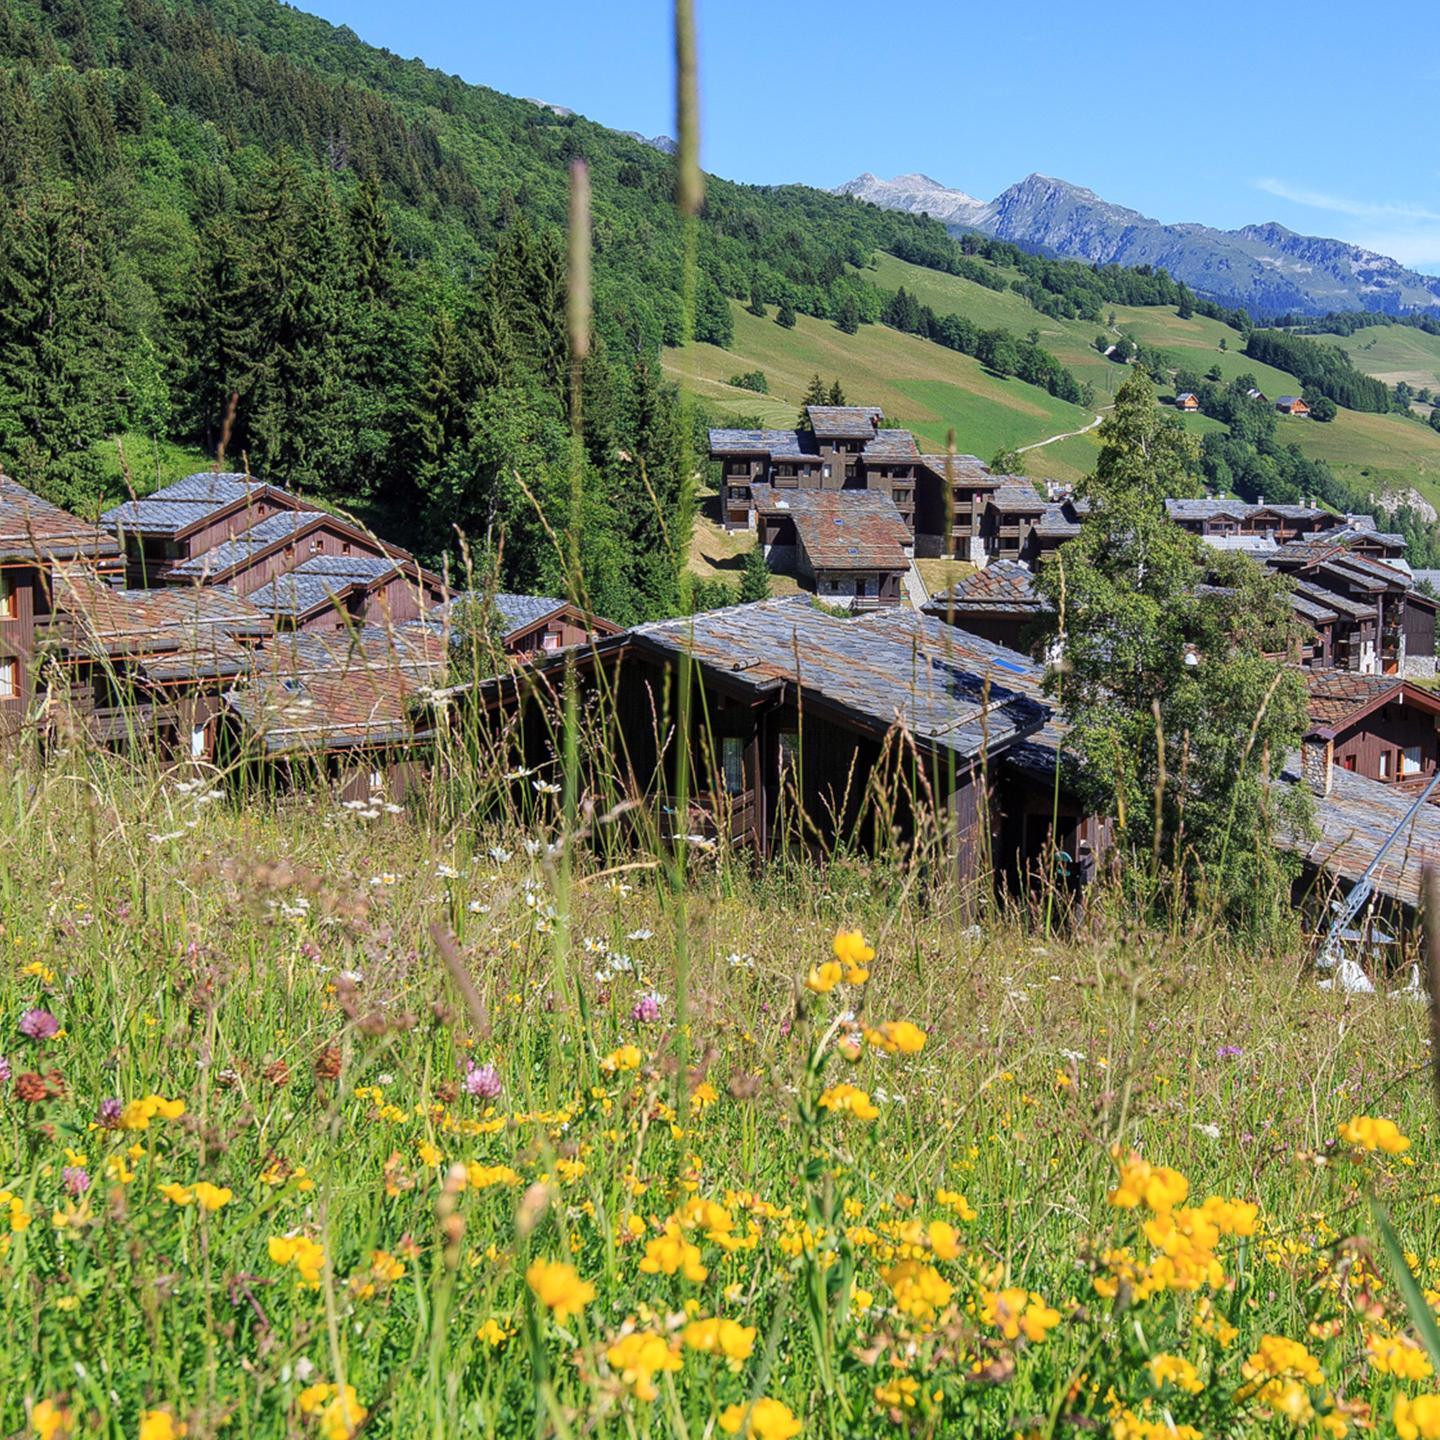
x: 1266, y: 268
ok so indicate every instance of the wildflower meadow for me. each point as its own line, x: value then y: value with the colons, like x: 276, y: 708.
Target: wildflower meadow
x: 323, y: 1121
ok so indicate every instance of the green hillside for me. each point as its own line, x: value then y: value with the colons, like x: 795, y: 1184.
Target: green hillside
x: 1393, y: 353
x: 1371, y: 453
x: 922, y: 385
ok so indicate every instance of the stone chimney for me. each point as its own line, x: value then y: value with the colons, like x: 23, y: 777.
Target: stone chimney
x: 1317, y: 763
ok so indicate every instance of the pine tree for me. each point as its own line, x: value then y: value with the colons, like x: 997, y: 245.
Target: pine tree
x: 755, y: 577
x: 371, y: 243
x: 221, y: 330
x: 836, y: 395
x: 815, y: 394
x: 785, y: 315
x: 757, y: 300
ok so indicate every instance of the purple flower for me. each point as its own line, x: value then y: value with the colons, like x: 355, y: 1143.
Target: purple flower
x: 1229, y: 1052
x: 4, y: 1071
x: 108, y: 1116
x: 647, y: 1010
x: 481, y: 1080
x: 76, y: 1178
x: 39, y: 1025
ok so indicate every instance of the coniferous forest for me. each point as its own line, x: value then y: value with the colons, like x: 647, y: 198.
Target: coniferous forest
x: 236, y: 199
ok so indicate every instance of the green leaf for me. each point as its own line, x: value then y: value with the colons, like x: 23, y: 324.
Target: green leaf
x: 1421, y: 1315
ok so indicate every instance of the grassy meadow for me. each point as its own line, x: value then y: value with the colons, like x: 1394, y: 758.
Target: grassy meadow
x: 322, y: 1120
x: 1393, y: 353
x: 924, y: 386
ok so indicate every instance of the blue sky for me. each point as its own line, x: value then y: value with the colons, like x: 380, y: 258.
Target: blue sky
x: 1226, y: 114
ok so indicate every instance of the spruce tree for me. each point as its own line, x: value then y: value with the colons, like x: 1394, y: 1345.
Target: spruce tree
x: 785, y: 315
x: 755, y: 577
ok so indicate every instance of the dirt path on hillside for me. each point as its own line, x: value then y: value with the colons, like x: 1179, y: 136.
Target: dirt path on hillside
x: 1068, y: 435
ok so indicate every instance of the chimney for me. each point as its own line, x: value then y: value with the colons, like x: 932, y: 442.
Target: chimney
x: 1261, y: 501
x: 1317, y: 763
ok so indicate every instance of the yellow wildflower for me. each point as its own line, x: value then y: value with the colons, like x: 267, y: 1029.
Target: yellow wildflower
x: 1417, y: 1417
x: 715, y: 1336
x: 897, y: 1036
x: 671, y: 1251
x: 177, y: 1194
x: 822, y: 979
x: 1365, y: 1133
x: 769, y: 1420
x: 852, y: 952
x: 212, y: 1197
x: 1395, y: 1355
x: 52, y: 1420
x: 1177, y: 1371
x: 637, y: 1358
x: 160, y: 1425
x: 848, y: 1099
x: 627, y: 1057
x: 1014, y: 1312
x: 559, y: 1288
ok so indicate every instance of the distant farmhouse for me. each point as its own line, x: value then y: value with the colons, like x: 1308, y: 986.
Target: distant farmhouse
x: 1292, y: 405
x: 1187, y: 401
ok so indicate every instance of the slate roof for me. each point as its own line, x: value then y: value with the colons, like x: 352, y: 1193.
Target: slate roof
x: 519, y: 612
x: 844, y: 422
x: 1354, y: 821
x: 176, y: 507
x: 1341, y: 604
x: 240, y: 547
x: 1003, y: 587
x: 169, y: 634
x: 1335, y: 695
x: 773, y: 443
x: 1056, y: 523
x: 326, y: 692
x: 953, y: 692
x: 1430, y: 577
x: 1015, y: 496
x: 967, y: 470
x: 892, y: 445
x: 319, y: 580
x: 1211, y: 508
x: 1317, y: 612
x: 842, y: 529
x: 1246, y: 544
x: 1306, y: 548
x: 34, y: 529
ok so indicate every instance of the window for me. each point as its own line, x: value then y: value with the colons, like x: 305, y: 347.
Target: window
x: 1348, y: 762
x: 9, y: 679
x: 732, y: 763
x: 789, y: 752
x: 1384, y: 764
x: 1410, y: 760
x: 8, y: 596
x: 550, y: 640
x: 197, y: 743
x: 344, y: 547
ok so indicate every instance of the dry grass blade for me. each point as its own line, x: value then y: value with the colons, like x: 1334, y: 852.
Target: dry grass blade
x: 449, y: 949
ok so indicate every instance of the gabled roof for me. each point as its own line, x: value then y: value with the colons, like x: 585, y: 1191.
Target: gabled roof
x: 1340, y: 698
x: 844, y: 422
x: 1058, y: 522
x: 873, y: 672
x: 34, y: 529
x: 1017, y: 496
x: 321, y: 580
x: 964, y: 470
x: 762, y: 442
x: 892, y: 445
x: 842, y: 529
x: 1354, y: 821
x: 517, y: 612
x: 174, y: 633
x: 175, y: 508
x: 222, y: 558
x: 1331, y: 600
x: 333, y: 692
x: 1003, y: 587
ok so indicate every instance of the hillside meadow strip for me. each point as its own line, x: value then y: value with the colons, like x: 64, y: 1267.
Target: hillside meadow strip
x: 267, y: 1169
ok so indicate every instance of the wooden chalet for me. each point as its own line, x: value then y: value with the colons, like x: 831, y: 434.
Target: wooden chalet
x: 184, y: 520
x: 529, y: 625
x: 35, y: 537
x: 1012, y: 513
x: 1188, y: 402
x: 851, y: 545
x: 1368, y: 616
x: 1223, y: 519
x: 340, y: 592
x: 132, y: 667
x: 343, y: 706
x: 846, y: 448
x: 999, y: 603
x: 798, y: 720
x: 1292, y: 405
x: 1380, y: 726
